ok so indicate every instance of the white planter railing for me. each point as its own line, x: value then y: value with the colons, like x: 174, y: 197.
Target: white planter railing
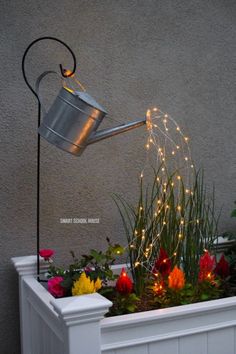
x: 76, y: 325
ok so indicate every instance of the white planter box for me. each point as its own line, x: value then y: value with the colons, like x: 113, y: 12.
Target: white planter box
x: 76, y: 325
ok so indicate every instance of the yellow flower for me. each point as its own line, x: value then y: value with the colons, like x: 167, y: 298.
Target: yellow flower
x: 176, y: 279
x: 98, y: 284
x: 84, y: 285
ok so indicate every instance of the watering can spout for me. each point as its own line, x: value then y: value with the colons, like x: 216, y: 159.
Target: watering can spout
x: 108, y: 133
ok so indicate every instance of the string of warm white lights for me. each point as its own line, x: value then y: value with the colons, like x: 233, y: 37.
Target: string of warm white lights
x: 169, y: 149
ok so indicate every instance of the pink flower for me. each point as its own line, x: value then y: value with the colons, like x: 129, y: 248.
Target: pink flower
x: 46, y: 254
x: 222, y: 267
x: 55, y: 288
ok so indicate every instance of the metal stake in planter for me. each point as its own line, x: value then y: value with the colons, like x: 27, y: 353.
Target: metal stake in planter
x: 71, y: 123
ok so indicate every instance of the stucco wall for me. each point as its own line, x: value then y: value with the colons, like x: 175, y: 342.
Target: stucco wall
x: 179, y: 55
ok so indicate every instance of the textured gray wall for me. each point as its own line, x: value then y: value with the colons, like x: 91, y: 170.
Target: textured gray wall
x: 180, y: 55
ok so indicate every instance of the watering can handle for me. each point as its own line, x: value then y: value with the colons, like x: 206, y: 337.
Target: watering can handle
x: 37, y: 86
x: 63, y: 72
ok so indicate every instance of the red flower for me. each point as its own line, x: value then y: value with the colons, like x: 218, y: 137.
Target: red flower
x: 124, y: 284
x: 162, y: 264
x: 46, y: 254
x: 55, y: 288
x: 222, y: 267
x: 207, y: 264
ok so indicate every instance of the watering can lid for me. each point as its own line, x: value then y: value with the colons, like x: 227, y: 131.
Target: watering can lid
x: 84, y: 96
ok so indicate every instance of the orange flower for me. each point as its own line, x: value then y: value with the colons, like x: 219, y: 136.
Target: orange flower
x: 176, y: 279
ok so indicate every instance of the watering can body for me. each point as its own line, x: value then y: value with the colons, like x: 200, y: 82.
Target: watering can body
x: 72, y: 122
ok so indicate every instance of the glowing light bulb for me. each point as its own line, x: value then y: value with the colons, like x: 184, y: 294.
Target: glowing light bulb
x: 163, y: 169
x: 178, y: 129
x: 179, y: 177
x: 186, y: 138
x: 191, y: 166
x: 187, y: 191
x: 159, y: 201
x: 164, y: 120
x: 155, y: 109
x: 180, y: 236
x: 147, y: 146
x: 166, y: 115
x: 186, y: 158
x: 173, y: 152
x: 136, y: 264
x: 164, y: 222
x: 174, y: 254
x: 135, y: 232
x: 179, y: 208
x: 177, y: 147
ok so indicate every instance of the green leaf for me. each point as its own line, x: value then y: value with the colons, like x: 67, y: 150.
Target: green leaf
x: 233, y: 214
x: 106, y: 291
x: 131, y: 308
x: 204, y: 297
x: 67, y: 283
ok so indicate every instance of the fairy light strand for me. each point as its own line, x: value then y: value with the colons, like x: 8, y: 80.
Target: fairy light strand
x: 169, y: 146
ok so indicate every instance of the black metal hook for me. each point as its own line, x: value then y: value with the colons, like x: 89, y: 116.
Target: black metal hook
x: 63, y: 71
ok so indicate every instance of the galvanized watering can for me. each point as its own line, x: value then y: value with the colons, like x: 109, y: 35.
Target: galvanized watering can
x: 72, y: 122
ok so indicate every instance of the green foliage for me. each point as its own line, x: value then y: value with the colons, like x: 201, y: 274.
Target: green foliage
x: 189, y: 294
x: 123, y: 304
x: 233, y: 213
x: 230, y: 252
x: 184, y: 230
x: 97, y: 264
